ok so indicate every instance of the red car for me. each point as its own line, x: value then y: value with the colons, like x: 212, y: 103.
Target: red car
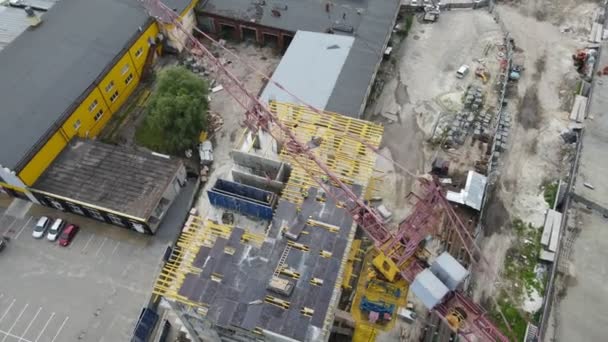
x: 67, y: 235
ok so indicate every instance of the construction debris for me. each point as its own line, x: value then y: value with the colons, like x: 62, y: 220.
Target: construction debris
x: 215, y: 122
x: 579, y: 109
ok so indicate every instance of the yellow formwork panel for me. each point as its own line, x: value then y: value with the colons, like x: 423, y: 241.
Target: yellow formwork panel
x: 197, y: 233
x: 364, y: 333
x: 376, y: 289
x: 352, y: 257
x: 343, y: 147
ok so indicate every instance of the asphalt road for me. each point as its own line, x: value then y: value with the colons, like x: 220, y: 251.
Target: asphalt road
x: 92, y: 290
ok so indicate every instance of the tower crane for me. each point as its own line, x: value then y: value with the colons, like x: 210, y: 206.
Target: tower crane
x: 397, y: 250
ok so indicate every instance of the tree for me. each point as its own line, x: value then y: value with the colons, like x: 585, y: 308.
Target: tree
x: 177, y: 112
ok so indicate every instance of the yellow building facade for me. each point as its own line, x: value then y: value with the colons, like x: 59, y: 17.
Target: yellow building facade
x: 103, y: 100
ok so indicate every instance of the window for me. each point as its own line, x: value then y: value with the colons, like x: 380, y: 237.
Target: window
x: 139, y: 52
x: 56, y: 204
x: 95, y: 214
x: 125, y: 69
x: 114, y: 96
x: 138, y: 227
x: 92, y: 106
x: 110, y: 86
x: 77, y: 125
x: 129, y: 78
x: 99, y: 115
x: 74, y: 208
x: 116, y: 220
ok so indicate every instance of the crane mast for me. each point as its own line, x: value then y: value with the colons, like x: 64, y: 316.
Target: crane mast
x: 399, y: 248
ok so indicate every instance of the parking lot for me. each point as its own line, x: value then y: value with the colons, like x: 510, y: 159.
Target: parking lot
x: 92, y: 290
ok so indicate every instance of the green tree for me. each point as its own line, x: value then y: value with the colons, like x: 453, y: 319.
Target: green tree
x: 177, y: 112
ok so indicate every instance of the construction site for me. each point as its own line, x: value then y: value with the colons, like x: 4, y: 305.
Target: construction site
x: 434, y: 196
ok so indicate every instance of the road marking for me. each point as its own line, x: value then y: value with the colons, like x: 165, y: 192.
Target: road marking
x: 23, y: 228
x: 5, y: 333
x: 101, y: 246
x: 44, y: 328
x: 15, y: 322
x: 29, y: 325
x: 61, y: 327
x: 8, y: 228
x: 115, y: 247
x: 8, y: 309
x: 87, y: 244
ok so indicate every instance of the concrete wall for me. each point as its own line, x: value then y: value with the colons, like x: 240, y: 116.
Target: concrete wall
x: 171, y: 192
x: 259, y: 172
x: 259, y: 166
x: 213, y: 23
x: 256, y: 181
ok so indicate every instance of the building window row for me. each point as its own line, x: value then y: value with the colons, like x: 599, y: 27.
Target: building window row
x: 114, y: 96
x: 139, y: 52
x: 77, y: 125
x: 129, y: 79
x: 110, y: 86
x: 93, y: 105
x: 125, y: 69
x: 99, y: 115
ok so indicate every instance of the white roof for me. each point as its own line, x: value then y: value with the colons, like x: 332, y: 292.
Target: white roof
x: 309, y: 69
x: 473, y: 192
x: 449, y: 270
x: 428, y: 288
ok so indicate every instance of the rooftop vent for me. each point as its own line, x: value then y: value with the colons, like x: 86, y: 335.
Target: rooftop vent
x: 32, y: 17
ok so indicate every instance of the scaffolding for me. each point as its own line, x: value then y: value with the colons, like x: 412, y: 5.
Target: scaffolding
x: 341, y: 143
x: 197, y: 233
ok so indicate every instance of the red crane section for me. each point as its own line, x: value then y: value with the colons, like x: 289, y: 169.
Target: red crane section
x: 401, y: 247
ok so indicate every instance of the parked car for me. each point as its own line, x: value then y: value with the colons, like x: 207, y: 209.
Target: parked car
x: 68, y: 234
x: 41, y: 227
x: 55, y: 230
x: 205, y: 151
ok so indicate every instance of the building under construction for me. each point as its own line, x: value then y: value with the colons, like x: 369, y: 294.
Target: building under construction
x: 277, y: 279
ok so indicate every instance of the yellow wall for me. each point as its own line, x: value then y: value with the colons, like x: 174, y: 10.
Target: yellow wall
x: 88, y: 123
x: 139, y: 59
x: 43, y: 158
x: 92, y: 114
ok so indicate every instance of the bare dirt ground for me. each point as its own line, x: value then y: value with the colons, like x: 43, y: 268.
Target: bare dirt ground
x: 422, y: 85
x: 264, y: 59
x: 546, y: 33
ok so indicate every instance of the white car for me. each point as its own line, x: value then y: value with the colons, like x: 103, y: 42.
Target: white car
x: 55, y: 230
x: 40, y: 228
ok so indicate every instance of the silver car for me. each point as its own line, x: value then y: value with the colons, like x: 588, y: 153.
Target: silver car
x: 41, y: 227
x: 55, y: 230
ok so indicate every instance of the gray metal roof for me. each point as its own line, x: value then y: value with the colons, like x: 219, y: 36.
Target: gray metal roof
x: 449, y: 270
x: 372, y: 21
x: 112, y: 177
x: 45, y: 70
x: 428, y: 288
x: 309, y: 69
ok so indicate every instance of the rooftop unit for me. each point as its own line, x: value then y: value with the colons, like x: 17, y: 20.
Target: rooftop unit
x: 429, y: 288
x: 449, y: 271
